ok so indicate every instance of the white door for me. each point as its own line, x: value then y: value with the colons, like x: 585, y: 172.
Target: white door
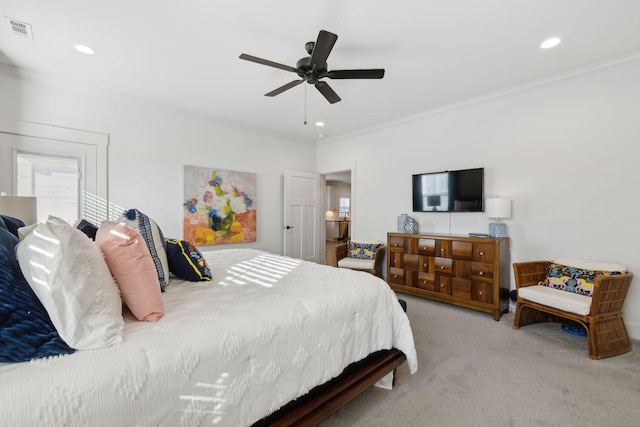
x: 302, y: 215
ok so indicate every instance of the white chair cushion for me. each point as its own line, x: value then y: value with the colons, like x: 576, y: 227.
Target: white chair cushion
x: 357, y: 263
x: 567, y: 301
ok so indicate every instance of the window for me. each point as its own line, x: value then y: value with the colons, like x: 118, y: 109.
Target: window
x: 66, y: 169
x: 56, y: 181
x: 343, y: 207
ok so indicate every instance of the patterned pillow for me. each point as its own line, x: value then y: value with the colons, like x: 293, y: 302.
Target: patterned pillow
x: 154, y: 239
x: 363, y: 250
x: 573, y: 279
x: 186, y: 261
x: 26, y: 331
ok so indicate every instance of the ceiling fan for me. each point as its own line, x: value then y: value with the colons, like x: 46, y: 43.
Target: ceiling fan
x: 313, y: 68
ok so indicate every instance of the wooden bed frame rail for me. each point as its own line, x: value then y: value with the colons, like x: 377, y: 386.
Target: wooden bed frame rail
x: 327, y: 398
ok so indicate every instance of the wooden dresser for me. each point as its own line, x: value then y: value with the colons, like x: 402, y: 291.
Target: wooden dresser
x: 471, y: 272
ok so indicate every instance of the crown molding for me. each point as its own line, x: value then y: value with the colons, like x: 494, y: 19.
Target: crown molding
x: 560, y: 78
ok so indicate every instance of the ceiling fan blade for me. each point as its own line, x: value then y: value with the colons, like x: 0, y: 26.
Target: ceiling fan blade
x: 268, y: 63
x: 322, y: 48
x: 281, y: 89
x: 377, y: 73
x: 327, y: 92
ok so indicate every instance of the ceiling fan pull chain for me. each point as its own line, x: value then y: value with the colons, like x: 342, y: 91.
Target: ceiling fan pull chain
x: 305, y: 105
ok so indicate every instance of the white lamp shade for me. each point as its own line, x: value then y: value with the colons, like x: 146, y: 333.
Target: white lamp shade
x: 498, y: 207
x: 25, y: 208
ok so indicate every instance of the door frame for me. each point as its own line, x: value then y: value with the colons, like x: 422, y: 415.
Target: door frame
x: 352, y: 207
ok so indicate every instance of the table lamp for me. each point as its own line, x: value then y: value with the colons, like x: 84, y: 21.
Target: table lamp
x: 498, y: 208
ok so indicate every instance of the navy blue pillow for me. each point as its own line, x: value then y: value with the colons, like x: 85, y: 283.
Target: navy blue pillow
x: 8, y: 240
x: 87, y: 228
x: 12, y: 224
x: 186, y: 261
x: 26, y: 331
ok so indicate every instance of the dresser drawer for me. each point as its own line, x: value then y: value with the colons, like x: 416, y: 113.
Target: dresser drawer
x: 396, y: 275
x: 427, y: 281
x: 427, y: 247
x: 482, y: 271
x: 396, y: 244
x: 443, y: 248
x: 482, y: 292
x: 395, y: 259
x: 443, y: 265
x: 443, y: 284
x: 484, y: 252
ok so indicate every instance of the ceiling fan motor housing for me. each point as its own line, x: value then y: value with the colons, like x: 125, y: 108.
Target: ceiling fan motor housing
x: 310, y: 73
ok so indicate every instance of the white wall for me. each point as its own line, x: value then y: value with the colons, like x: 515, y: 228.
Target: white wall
x: 149, y: 144
x: 567, y: 154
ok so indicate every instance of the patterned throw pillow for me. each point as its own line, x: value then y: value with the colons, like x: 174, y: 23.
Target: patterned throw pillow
x: 154, y: 239
x: 186, y: 261
x: 573, y: 279
x: 362, y: 250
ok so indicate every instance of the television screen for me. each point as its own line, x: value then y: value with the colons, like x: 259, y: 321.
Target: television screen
x: 449, y: 191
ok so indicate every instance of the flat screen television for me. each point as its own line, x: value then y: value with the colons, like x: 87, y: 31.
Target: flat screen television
x: 449, y: 191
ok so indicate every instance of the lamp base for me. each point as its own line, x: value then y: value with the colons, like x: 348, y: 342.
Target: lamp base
x: 497, y: 229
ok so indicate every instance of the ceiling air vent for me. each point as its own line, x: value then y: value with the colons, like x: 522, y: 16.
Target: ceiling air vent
x: 20, y: 29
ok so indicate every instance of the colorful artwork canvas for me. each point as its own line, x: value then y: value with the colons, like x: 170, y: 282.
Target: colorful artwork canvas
x: 219, y: 206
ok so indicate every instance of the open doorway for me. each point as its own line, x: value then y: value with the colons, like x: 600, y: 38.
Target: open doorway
x: 338, y: 210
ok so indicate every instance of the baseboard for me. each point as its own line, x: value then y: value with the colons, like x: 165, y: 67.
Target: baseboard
x: 633, y: 329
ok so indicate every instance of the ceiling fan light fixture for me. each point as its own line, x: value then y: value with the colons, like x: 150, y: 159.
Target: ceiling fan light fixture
x: 549, y: 43
x: 82, y: 48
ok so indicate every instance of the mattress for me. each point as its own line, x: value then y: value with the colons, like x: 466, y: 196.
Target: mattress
x: 228, y: 352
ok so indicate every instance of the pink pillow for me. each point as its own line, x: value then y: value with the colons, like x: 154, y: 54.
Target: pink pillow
x: 130, y: 262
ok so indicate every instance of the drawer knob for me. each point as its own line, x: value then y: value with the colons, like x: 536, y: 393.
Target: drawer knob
x: 395, y: 276
x: 481, y: 273
x: 395, y: 244
x: 424, y: 248
x: 441, y: 249
x: 424, y: 265
x: 442, y: 285
x: 481, y: 253
x: 442, y: 267
x: 425, y: 282
x: 481, y: 292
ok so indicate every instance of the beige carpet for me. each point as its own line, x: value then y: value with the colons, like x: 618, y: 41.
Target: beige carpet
x: 474, y: 371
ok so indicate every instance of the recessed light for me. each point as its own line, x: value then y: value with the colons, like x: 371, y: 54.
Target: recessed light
x: 319, y: 124
x: 84, y: 49
x: 549, y: 43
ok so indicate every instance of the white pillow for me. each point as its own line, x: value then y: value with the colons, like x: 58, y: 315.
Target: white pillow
x: 70, y: 276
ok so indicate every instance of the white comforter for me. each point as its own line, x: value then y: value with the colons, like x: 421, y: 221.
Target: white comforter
x: 266, y: 330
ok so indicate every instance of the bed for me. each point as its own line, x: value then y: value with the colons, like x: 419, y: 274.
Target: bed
x: 251, y: 347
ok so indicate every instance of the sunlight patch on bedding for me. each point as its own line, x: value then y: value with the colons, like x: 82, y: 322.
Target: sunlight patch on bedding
x: 264, y: 270
x: 212, y: 400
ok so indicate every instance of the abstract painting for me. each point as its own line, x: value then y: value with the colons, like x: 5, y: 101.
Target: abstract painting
x: 219, y: 206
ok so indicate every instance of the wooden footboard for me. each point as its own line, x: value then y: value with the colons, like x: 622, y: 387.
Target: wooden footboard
x: 325, y: 399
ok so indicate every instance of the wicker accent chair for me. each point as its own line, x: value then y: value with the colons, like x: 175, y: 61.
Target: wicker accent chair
x: 606, y: 333
x: 372, y: 266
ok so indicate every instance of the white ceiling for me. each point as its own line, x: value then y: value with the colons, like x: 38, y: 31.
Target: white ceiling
x: 435, y: 53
